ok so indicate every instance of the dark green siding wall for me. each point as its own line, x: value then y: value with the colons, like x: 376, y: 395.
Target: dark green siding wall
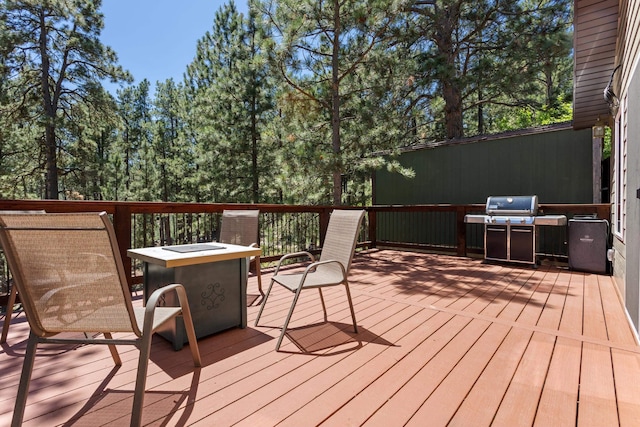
x: 556, y: 166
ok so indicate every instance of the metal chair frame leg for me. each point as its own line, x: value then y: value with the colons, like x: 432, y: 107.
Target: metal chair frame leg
x: 286, y: 322
x: 8, y: 314
x: 353, y: 313
x: 264, y: 302
x: 25, y: 379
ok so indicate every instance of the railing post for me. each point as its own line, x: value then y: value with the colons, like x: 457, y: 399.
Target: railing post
x: 604, y: 212
x: 324, y: 224
x: 122, y: 224
x: 462, y: 231
x: 372, y: 228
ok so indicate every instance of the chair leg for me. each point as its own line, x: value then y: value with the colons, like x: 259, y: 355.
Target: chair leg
x: 8, y: 314
x: 113, y: 350
x: 25, y: 379
x: 264, y: 302
x: 259, y: 275
x: 353, y: 313
x: 188, y: 325
x: 141, y: 378
x: 324, y: 307
x: 286, y: 322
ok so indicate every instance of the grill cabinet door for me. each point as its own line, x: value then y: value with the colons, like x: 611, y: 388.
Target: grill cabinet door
x: 522, y: 244
x: 495, y: 245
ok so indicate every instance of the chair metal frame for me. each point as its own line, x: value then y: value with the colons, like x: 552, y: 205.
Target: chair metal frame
x: 142, y: 322
x: 331, y: 270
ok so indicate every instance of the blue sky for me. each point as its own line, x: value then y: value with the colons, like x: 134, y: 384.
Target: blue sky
x: 156, y: 39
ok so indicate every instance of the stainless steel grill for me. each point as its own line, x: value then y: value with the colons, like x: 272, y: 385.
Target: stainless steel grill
x: 510, y: 227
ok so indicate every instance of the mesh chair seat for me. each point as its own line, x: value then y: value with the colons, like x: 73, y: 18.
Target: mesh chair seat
x: 316, y: 279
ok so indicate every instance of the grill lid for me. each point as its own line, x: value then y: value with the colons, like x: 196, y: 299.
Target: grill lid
x: 512, y: 205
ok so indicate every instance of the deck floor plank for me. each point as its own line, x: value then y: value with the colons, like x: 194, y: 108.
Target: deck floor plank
x: 442, y: 341
x: 518, y: 407
x: 403, y: 358
x: 321, y: 395
x: 572, y: 311
x: 594, y: 324
x: 294, y: 385
x: 480, y: 405
x: 597, y: 400
x: 558, y: 403
x: 625, y: 366
x: 443, y: 403
x: 614, y: 317
x: 399, y: 409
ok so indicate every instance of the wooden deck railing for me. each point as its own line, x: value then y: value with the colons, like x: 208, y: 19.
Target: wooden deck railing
x: 288, y: 228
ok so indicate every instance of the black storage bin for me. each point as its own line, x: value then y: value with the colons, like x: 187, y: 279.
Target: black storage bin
x: 588, y: 241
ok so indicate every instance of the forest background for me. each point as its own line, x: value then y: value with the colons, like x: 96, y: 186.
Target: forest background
x: 296, y: 101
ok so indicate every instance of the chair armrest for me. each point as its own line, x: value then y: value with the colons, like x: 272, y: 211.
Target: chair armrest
x: 315, y: 265
x: 152, y: 302
x: 329, y: 261
x: 149, y: 311
x: 294, y: 255
x: 254, y: 245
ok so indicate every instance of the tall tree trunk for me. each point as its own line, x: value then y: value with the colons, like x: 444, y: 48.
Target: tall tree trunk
x: 480, y: 113
x: 452, y: 109
x: 51, y: 181
x: 335, y: 107
x: 254, y: 153
x: 255, y: 136
x: 51, y: 186
x: 451, y: 91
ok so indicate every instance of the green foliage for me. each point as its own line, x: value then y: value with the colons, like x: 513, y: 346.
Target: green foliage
x: 341, y: 71
x: 608, y: 139
x: 482, y: 58
x: 298, y: 101
x: 53, y: 63
x: 230, y: 103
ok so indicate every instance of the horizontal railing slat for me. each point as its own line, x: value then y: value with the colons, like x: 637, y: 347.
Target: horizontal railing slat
x: 287, y: 228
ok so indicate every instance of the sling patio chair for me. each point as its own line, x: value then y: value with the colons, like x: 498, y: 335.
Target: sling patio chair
x: 332, y: 268
x: 71, y: 279
x: 240, y: 227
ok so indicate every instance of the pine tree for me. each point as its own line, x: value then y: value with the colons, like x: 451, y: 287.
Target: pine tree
x: 230, y: 97
x: 175, y: 156
x: 474, y: 54
x: 56, y: 60
x: 134, y: 148
x: 321, y: 46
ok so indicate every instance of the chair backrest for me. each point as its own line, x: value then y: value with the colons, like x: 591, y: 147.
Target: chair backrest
x: 68, y: 272
x: 341, y: 237
x: 239, y: 227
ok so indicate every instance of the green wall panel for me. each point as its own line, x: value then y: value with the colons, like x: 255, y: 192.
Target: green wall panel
x: 556, y: 166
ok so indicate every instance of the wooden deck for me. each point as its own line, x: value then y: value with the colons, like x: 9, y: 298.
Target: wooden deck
x: 442, y: 341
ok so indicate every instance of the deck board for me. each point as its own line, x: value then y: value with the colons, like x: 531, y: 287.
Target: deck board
x: 443, y: 403
x: 442, y: 341
x: 597, y: 401
x: 484, y: 398
x: 518, y: 407
x: 558, y: 403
